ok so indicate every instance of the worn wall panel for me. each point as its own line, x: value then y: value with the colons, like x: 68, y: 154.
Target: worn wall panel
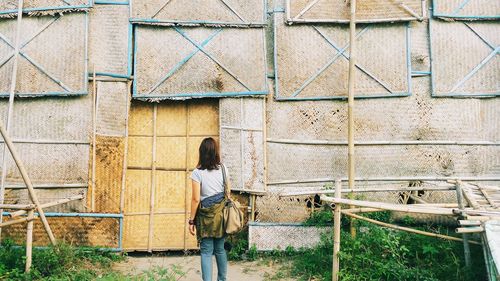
x: 472, y: 9
x: 465, y: 58
x: 37, y: 7
x: 381, y: 161
x: 110, y: 40
x: 169, y: 66
x: 111, y: 111
x: 53, y: 57
x: 21, y: 196
x: 77, y: 231
x: 311, y: 62
x: 269, y: 236
x: 109, y: 171
x: 304, y: 11
x: 242, y: 141
x: 420, y: 59
x: 206, y: 12
x: 51, y: 163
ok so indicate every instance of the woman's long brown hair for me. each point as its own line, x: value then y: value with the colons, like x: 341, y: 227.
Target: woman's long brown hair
x: 209, y: 155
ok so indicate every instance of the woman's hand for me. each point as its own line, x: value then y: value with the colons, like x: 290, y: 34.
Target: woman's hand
x: 192, y: 229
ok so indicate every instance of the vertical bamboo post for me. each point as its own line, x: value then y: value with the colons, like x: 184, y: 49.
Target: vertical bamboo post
x: 465, y: 236
x: 28, y: 183
x: 29, y: 239
x: 153, y: 182
x: 350, y: 104
x: 187, y: 200
x: 336, y: 232
x: 10, y: 109
x: 125, y: 154
x: 94, y: 129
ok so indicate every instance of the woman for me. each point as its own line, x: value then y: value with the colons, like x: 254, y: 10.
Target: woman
x: 206, y: 220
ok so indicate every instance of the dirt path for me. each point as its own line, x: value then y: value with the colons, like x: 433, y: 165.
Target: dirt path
x: 237, y: 271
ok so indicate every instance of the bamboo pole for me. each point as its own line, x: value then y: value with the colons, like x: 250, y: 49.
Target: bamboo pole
x: 10, y: 109
x: 400, y: 179
x: 28, y: 183
x: 350, y: 104
x: 16, y: 221
x: 361, y: 210
x: 407, y: 229
x: 336, y: 233
x: 466, y: 230
x: 392, y: 207
x: 187, y: 200
x: 382, y: 143
x: 47, y: 205
x: 417, y: 199
x: 361, y: 190
x: 94, y: 129
x: 153, y: 182
x: 125, y: 153
x: 29, y: 240
x: 17, y: 206
x: 465, y: 236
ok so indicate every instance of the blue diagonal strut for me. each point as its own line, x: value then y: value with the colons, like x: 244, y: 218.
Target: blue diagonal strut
x: 385, y: 86
x: 211, y: 57
x: 321, y: 70
x: 183, y: 61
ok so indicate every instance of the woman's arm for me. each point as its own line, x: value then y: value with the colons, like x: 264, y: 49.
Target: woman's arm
x: 195, y: 201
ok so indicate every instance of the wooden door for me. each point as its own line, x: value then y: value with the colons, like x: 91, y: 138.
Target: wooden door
x: 162, y: 151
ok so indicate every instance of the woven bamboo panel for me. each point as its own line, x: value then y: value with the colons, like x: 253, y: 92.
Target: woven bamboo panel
x: 50, y: 118
x: 50, y: 163
x: 307, y: 11
x: 135, y: 232
x: 468, y: 10
x: 319, y: 161
x: 77, y: 231
x: 169, y: 66
x: 312, y: 61
x: 112, y: 104
x: 465, y: 58
x: 109, y: 170
x: 37, y: 7
x: 272, y: 236
x: 110, y: 54
x: 180, y: 128
x: 137, y: 191
x: 197, y: 12
x: 242, y: 143
x: 54, y: 62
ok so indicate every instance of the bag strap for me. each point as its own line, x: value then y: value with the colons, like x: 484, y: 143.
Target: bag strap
x: 227, y: 190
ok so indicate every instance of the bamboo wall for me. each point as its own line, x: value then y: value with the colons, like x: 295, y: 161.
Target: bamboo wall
x: 427, y: 104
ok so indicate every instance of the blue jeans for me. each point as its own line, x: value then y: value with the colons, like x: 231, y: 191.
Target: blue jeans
x: 209, y: 247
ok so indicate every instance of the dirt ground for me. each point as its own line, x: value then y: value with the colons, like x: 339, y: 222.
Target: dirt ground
x: 237, y: 271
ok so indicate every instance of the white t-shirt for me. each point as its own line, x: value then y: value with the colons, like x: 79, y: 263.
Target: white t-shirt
x: 211, y: 181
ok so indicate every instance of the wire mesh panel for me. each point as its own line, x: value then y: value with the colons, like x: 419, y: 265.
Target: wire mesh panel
x: 198, y: 12
x: 305, y: 11
x: 468, y: 10
x: 181, y: 63
x: 73, y: 229
x: 110, y: 55
x: 270, y: 236
x: 465, y: 59
x: 242, y: 141
x: 37, y: 7
x: 163, y: 150
x: 311, y: 62
x: 52, y: 58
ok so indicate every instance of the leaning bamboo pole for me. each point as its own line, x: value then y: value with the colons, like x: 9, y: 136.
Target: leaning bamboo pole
x: 350, y: 103
x: 407, y: 229
x: 27, y: 181
x: 336, y: 233
x: 10, y: 109
x: 50, y: 204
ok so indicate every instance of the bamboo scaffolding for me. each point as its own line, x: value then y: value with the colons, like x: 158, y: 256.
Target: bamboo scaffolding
x: 407, y: 229
x: 464, y: 236
x: 50, y: 204
x: 16, y: 221
x: 28, y: 183
x: 361, y: 190
x: 336, y: 233
x: 350, y: 104
x: 392, y: 207
x: 10, y: 109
